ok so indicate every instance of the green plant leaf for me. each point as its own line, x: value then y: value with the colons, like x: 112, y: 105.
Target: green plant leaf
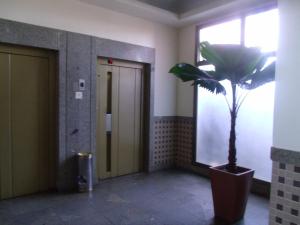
x: 187, y: 72
x: 232, y: 62
x: 260, y: 78
x: 209, y: 53
x: 240, y: 65
x: 211, y: 85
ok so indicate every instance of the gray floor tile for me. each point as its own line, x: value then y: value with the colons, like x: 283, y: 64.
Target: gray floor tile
x: 170, y: 197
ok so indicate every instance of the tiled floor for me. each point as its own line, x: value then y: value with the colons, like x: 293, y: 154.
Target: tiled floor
x: 168, y: 198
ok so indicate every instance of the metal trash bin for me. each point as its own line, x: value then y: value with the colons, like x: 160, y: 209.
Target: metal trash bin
x: 85, y: 172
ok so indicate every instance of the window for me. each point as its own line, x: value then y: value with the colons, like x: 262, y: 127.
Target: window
x: 255, y: 119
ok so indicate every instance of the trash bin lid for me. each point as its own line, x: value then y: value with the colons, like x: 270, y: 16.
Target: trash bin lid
x: 84, y: 154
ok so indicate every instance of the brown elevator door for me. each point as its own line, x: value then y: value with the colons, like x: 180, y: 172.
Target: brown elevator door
x: 27, y: 121
x: 119, y: 116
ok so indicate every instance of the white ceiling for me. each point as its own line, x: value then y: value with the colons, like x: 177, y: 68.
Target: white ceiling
x: 177, y: 12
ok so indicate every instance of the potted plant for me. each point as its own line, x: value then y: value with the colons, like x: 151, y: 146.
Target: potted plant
x: 245, y: 68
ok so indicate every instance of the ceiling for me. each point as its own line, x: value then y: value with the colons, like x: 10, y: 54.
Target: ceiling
x: 178, y: 6
x: 178, y: 13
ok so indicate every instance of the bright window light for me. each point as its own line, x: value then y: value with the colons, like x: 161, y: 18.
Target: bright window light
x: 261, y: 30
x: 224, y: 33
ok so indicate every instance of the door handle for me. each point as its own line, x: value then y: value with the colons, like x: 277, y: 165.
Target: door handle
x: 108, y: 122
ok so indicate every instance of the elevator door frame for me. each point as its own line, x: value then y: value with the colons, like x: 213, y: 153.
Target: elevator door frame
x: 53, y: 101
x: 103, y: 61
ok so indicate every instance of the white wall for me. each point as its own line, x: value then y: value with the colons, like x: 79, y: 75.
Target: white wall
x: 286, y: 132
x: 75, y: 16
x: 185, y: 92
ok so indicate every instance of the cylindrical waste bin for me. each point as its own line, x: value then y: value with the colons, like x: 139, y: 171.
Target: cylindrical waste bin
x: 85, y: 172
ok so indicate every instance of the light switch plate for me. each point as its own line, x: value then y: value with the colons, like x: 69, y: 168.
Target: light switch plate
x: 78, y: 95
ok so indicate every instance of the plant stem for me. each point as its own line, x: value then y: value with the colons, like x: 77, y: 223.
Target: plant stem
x: 232, y: 138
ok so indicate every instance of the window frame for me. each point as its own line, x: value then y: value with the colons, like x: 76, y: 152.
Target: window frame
x: 227, y: 18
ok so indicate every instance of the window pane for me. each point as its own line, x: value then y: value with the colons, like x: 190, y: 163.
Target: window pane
x: 223, y: 33
x: 255, y: 118
x: 212, y: 128
x: 261, y: 30
x: 254, y: 122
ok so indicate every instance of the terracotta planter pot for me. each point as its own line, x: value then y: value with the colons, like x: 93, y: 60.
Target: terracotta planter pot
x: 230, y: 192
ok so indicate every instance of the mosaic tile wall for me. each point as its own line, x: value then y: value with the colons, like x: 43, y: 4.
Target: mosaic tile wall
x: 285, y: 191
x: 184, y: 142
x: 173, y: 147
x: 164, y: 142
x: 172, y: 142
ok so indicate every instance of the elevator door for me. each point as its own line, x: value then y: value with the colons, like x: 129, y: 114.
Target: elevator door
x: 27, y: 150
x: 119, y: 106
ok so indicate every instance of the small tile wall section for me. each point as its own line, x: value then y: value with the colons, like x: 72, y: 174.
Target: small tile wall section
x: 164, y: 142
x: 184, y: 142
x: 285, y: 189
x: 172, y: 142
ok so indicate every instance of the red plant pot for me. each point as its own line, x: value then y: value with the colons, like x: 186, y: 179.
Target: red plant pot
x: 230, y: 192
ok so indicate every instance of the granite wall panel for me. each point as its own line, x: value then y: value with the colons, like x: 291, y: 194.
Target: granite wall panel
x: 76, y: 59
x: 78, y: 110
x: 30, y: 35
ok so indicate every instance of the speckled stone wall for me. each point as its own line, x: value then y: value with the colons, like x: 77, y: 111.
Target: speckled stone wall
x: 285, y: 188
x: 77, y: 55
x: 78, y: 110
